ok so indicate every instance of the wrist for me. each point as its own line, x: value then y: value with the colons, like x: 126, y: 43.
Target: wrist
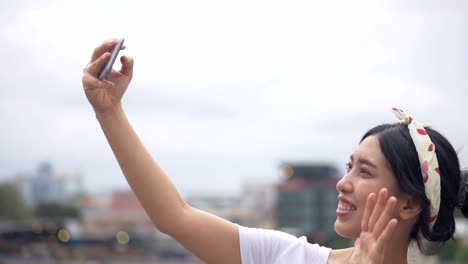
x: 110, y: 114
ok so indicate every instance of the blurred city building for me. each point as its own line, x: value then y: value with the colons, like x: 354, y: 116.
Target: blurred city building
x: 105, y: 215
x: 255, y: 207
x: 117, y: 220
x: 258, y: 200
x: 307, y: 200
x: 47, y: 185
x: 226, y: 207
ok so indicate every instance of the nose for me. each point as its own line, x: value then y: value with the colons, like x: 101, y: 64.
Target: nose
x: 345, y: 185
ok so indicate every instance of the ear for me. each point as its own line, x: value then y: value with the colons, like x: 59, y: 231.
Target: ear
x: 409, y: 207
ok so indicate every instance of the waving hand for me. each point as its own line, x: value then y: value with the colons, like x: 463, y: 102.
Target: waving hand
x: 377, y: 227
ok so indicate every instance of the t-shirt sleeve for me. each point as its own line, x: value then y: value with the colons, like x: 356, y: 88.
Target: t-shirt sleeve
x: 263, y: 246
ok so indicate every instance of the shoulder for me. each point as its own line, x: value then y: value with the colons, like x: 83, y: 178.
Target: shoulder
x: 271, y: 246
x: 339, y: 255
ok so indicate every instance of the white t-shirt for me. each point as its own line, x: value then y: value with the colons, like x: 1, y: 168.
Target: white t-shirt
x: 263, y: 246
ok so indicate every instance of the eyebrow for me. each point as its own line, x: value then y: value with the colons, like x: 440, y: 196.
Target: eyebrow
x: 364, y: 161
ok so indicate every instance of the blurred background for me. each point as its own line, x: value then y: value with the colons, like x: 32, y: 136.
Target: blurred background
x: 252, y: 107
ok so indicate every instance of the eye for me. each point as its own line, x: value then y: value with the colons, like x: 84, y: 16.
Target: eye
x: 364, y: 172
x: 348, y: 166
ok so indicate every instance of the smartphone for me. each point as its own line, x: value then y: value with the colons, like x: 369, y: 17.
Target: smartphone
x: 108, y: 67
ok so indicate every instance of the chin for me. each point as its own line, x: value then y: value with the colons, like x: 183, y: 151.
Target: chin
x: 347, y: 230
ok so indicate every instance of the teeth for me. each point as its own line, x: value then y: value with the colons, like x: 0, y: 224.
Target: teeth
x: 345, y: 207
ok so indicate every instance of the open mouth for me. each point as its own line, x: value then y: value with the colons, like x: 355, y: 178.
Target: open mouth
x: 343, y: 206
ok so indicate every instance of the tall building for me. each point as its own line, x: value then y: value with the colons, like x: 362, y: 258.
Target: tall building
x: 307, y: 200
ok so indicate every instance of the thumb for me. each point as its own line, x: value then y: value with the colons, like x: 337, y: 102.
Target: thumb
x: 357, y: 242
x: 95, y: 67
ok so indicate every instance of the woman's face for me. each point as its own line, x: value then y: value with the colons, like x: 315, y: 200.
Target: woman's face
x: 368, y: 172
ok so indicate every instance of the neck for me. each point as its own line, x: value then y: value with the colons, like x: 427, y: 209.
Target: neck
x: 396, y: 250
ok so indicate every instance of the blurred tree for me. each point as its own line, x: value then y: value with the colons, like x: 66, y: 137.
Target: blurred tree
x: 12, y: 204
x: 454, y: 251
x: 448, y: 251
x: 340, y: 243
x: 56, y: 211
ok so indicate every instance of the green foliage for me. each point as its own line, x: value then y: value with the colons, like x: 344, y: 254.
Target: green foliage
x: 56, y: 211
x: 12, y: 204
x: 340, y: 243
x: 454, y: 251
x: 448, y: 250
x: 461, y: 255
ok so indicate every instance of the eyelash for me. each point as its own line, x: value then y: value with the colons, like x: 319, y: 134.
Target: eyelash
x: 349, y: 167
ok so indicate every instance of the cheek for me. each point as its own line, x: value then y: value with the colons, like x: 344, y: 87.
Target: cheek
x: 364, y: 187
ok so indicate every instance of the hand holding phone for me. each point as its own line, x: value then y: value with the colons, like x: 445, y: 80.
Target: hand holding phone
x: 108, y: 67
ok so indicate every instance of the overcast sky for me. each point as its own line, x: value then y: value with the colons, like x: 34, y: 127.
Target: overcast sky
x: 223, y: 91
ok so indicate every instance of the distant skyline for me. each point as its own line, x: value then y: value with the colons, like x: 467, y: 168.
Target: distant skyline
x: 223, y: 92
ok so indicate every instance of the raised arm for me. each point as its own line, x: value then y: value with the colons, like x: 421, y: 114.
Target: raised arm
x: 209, y: 237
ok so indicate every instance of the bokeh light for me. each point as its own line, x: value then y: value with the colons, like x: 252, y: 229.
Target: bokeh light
x: 63, y: 235
x: 122, y: 237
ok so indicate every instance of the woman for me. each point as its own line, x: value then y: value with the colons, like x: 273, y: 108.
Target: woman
x: 394, y: 190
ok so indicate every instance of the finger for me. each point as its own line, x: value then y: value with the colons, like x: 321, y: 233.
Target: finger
x: 91, y: 82
x: 95, y: 67
x: 104, y: 47
x: 379, y: 207
x: 367, y: 212
x: 387, y: 234
x: 385, y: 217
x: 127, y: 66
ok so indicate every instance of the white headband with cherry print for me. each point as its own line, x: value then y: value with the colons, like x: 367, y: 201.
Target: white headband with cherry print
x: 428, y: 160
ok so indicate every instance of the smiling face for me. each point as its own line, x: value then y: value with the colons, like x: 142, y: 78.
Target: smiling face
x: 368, y: 172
